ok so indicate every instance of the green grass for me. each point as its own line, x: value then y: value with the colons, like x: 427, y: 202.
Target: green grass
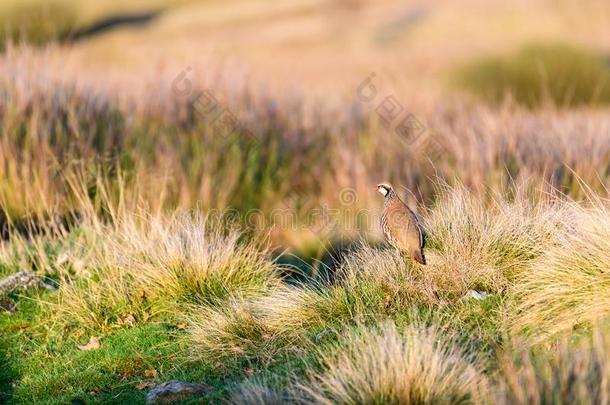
x: 42, y: 364
x: 538, y: 74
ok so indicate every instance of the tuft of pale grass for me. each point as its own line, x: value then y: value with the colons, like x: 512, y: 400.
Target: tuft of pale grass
x: 220, y: 335
x: 109, y: 299
x: 483, y: 246
x: 572, y: 374
x: 144, y: 264
x: 187, y: 258
x: 289, y: 309
x: 414, y: 366
x: 570, y: 284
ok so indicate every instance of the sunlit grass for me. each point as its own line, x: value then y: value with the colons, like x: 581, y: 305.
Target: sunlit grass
x: 569, y: 285
x: 414, y: 366
x: 572, y: 373
x: 377, y: 328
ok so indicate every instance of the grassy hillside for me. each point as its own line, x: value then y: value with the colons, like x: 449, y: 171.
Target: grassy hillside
x: 182, y: 297
x: 199, y: 188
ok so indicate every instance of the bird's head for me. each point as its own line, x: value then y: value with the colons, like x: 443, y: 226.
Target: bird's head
x: 384, y: 188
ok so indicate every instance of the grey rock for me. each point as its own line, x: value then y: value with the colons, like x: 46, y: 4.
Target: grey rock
x: 21, y: 281
x: 174, y: 391
x: 322, y: 335
x: 477, y: 295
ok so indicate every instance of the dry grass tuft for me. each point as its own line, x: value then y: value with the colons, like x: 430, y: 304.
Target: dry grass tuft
x: 226, y: 332
x: 570, y: 284
x: 187, y: 258
x: 573, y: 374
x: 414, y: 366
x: 144, y: 264
x: 106, y: 300
x: 483, y: 246
x: 238, y: 330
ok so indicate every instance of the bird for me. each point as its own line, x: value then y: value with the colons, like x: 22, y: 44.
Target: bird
x: 401, y: 226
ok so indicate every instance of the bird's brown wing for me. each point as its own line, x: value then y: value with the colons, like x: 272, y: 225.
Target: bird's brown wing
x: 403, y: 227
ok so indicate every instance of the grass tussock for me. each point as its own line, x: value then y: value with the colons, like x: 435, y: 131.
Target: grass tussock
x: 484, y: 246
x: 145, y: 265
x: 109, y: 299
x: 569, y: 285
x: 231, y: 332
x: 190, y: 259
x: 414, y: 366
x: 538, y: 74
x: 571, y: 374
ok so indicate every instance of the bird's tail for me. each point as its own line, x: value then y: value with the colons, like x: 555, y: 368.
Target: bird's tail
x: 419, y: 257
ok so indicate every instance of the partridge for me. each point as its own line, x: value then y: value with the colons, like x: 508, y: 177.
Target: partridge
x: 401, y: 226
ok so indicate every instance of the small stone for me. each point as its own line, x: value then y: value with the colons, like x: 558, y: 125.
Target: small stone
x: 129, y: 320
x: 477, y: 295
x: 93, y: 344
x: 174, y: 391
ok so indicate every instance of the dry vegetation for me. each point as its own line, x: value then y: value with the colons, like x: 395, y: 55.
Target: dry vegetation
x: 363, y: 332
x: 202, y: 252
x: 415, y: 366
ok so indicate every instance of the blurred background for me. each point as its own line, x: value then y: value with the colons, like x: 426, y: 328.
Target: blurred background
x: 315, y: 46
x: 254, y: 104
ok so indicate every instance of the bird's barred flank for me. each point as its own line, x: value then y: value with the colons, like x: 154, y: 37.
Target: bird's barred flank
x: 400, y: 225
